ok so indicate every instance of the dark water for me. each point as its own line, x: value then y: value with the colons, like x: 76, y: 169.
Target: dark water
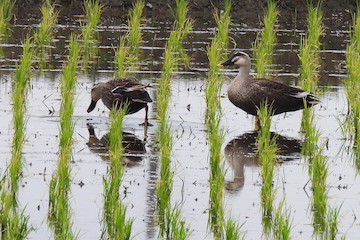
x: 190, y: 150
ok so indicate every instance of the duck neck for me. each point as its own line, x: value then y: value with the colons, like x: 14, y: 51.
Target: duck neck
x: 244, y: 74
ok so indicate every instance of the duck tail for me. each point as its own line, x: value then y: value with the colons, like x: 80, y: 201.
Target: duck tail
x: 311, y: 99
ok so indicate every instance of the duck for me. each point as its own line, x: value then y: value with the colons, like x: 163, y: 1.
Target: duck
x: 248, y: 93
x: 116, y: 92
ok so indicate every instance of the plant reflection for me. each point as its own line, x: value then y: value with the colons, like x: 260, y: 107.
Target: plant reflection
x: 134, y: 148
x: 242, y: 151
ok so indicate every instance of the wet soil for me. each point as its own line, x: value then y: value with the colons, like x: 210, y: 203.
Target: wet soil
x: 337, y: 14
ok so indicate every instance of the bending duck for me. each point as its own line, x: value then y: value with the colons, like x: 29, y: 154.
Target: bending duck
x: 248, y: 93
x: 116, y: 92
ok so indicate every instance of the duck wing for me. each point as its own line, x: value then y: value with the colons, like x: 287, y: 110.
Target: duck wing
x: 130, y: 89
x: 283, y: 98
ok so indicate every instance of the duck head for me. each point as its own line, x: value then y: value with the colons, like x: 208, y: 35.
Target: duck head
x: 237, y: 58
x: 95, y: 96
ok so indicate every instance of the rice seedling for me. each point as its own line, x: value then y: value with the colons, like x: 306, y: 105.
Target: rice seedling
x: 93, y: 11
x: 309, y: 46
x: 134, y: 22
x: 219, y: 224
x: 20, y: 86
x: 232, y: 230
x: 282, y: 225
x: 352, y: 86
x: 182, y: 25
x: 14, y: 225
x: 59, y: 215
x: 128, y: 50
x: 44, y: 33
x: 267, y: 157
x: 266, y: 39
x: 318, y: 171
x: 274, y: 221
x: 267, y: 148
x: 122, y: 58
x: 169, y: 216
x: 6, y: 14
x: 310, y: 62
x: 116, y: 226
x: 215, y: 138
x: 215, y: 52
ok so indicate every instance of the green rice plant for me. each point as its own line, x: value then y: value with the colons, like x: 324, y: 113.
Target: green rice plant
x: 223, y: 20
x: 309, y: 46
x: 320, y: 196
x: 122, y: 58
x: 282, y: 224
x: 182, y: 26
x: 59, y: 215
x: 232, y: 230
x: 115, y: 223
x: 312, y: 149
x: 266, y: 39
x: 134, y: 22
x: 221, y: 226
x: 20, y: 86
x: 93, y: 11
x: 352, y: 86
x: 267, y: 149
x: 310, y: 62
x: 14, y: 225
x: 44, y: 33
x: 215, y: 138
x: 215, y: 52
x: 6, y: 14
x: 169, y: 216
x: 128, y: 50
x: 265, y: 42
x: 332, y: 216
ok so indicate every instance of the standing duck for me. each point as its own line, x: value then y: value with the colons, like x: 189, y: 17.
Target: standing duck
x: 119, y: 91
x: 249, y: 93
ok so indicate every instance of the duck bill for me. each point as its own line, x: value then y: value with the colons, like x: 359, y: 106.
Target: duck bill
x: 226, y: 63
x: 92, y: 106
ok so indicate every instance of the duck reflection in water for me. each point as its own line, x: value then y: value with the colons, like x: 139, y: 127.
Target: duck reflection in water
x: 134, y: 148
x: 242, y: 151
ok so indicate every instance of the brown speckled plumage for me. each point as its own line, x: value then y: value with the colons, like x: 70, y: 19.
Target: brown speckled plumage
x: 248, y: 93
x: 116, y: 92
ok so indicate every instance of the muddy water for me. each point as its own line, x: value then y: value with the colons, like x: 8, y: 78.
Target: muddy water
x: 190, y: 151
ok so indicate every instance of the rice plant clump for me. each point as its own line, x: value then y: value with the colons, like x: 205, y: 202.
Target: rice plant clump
x: 93, y: 11
x: 123, y: 58
x: 352, y: 85
x: 169, y: 216
x: 134, y: 24
x: 128, y: 50
x: 14, y: 224
x: 59, y: 216
x: 220, y: 225
x: 266, y: 40
x: 324, y: 217
x: 116, y: 226
x: 6, y: 14
x: 45, y: 31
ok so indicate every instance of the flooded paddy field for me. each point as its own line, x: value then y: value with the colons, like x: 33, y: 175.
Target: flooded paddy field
x: 190, y: 152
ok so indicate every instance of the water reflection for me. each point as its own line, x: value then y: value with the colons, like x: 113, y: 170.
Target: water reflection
x: 134, y: 148
x: 242, y: 151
